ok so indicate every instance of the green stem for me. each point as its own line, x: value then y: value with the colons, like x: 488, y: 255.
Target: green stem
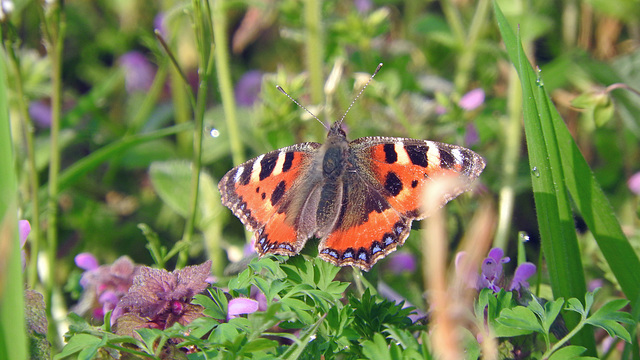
x: 13, y: 337
x: 36, y: 233
x: 564, y: 340
x: 224, y: 79
x: 469, y: 46
x: 54, y: 44
x: 510, y: 160
x: 313, y: 49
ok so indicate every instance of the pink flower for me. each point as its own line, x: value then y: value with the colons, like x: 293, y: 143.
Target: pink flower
x: 24, y: 228
x: 239, y: 306
x: 472, y: 100
x: 634, y: 183
x: 138, y: 71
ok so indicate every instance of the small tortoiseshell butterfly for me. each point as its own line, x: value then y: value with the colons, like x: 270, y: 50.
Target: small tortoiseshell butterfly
x: 359, y: 198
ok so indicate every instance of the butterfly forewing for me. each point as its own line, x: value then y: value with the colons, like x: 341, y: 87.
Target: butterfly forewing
x: 259, y: 192
x: 406, y: 167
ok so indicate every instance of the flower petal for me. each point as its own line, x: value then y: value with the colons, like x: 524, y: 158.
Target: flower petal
x: 24, y: 228
x: 240, y: 306
x: 472, y: 99
x: 523, y: 272
x: 86, y: 261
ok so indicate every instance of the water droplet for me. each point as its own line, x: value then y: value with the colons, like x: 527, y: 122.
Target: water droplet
x: 523, y: 236
x: 214, y: 133
x: 535, y: 172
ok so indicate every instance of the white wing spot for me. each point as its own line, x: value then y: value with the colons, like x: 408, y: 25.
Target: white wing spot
x: 255, y: 171
x: 403, y: 157
x: 279, y: 163
x: 239, y: 172
x: 457, y: 154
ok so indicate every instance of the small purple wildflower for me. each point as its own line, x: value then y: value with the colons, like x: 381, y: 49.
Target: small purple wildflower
x: 248, y: 88
x: 363, y: 6
x: 471, y: 136
x: 104, y: 285
x: 138, y: 71
x: 402, y: 262
x: 86, y: 261
x: 523, y: 272
x: 40, y: 113
x: 492, y: 277
x: 472, y: 100
x: 24, y: 228
x: 239, y: 306
x: 158, y: 299
x: 634, y: 183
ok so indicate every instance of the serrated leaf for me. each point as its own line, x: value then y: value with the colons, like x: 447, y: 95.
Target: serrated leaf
x: 609, y: 318
x: 574, y: 304
x: 551, y: 311
x: 77, y: 343
x: 520, y: 318
x: 571, y: 352
x: 377, y: 348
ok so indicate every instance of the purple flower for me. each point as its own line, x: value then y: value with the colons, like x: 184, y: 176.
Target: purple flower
x: 471, y: 135
x: 86, y: 261
x: 24, y: 228
x: 248, y: 88
x: 104, y: 285
x: 492, y: 277
x: 523, y: 272
x: 40, y: 113
x: 363, y: 6
x: 472, y: 100
x: 158, y: 298
x: 138, y: 71
x: 492, y: 270
x: 634, y: 183
x: 239, y: 306
x: 402, y: 262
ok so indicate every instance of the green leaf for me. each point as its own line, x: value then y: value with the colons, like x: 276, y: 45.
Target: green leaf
x: 609, y: 318
x: 77, y: 343
x: 588, y: 197
x: 551, y: 311
x: 574, y: 304
x: 521, y: 318
x: 171, y: 179
x: 377, y: 348
x: 571, y: 352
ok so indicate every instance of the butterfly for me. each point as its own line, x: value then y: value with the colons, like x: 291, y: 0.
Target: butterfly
x: 358, y: 197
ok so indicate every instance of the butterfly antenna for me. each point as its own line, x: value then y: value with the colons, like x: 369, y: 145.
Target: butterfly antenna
x: 300, y: 105
x: 360, y: 93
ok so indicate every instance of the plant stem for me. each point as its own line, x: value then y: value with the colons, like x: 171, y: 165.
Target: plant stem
x: 313, y: 49
x: 199, y: 110
x: 56, y: 25
x: 469, y: 46
x: 510, y: 159
x: 224, y: 79
x: 564, y: 340
x: 13, y: 339
x: 36, y: 233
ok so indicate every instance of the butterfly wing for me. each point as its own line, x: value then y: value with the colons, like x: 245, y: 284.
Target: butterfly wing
x: 261, y: 193
x: 383, y: 194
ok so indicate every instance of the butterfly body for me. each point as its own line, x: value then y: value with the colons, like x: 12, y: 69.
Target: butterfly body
x: 359, y: 198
